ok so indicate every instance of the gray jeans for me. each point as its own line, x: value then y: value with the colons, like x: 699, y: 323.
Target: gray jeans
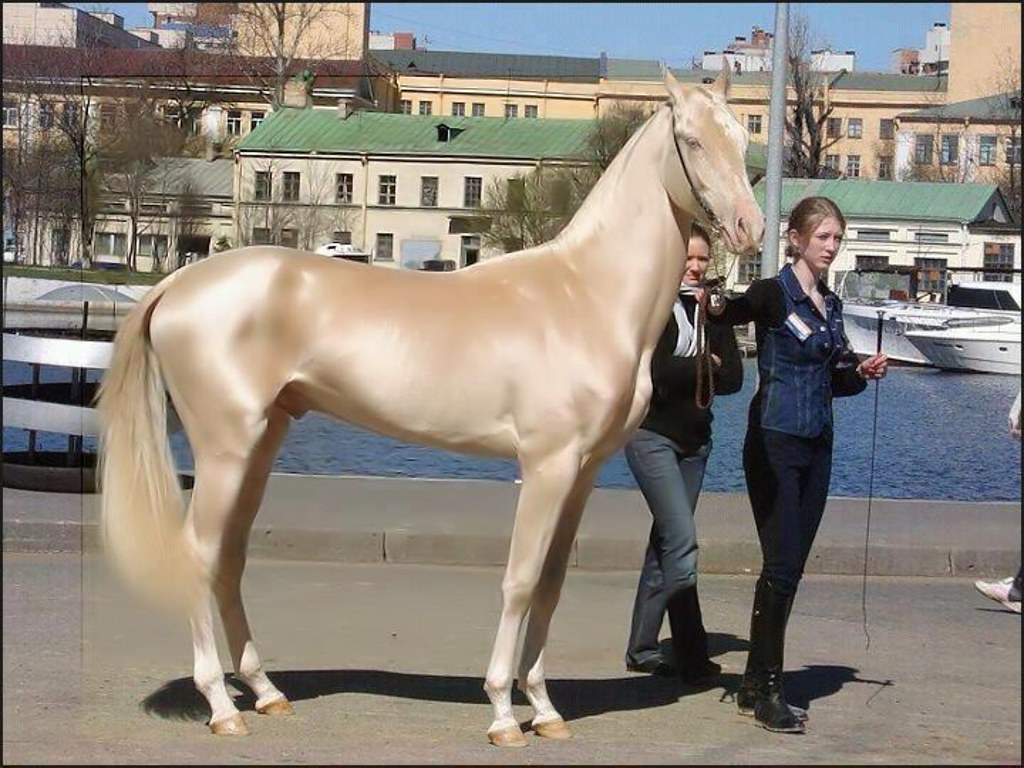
x: 670, y: 483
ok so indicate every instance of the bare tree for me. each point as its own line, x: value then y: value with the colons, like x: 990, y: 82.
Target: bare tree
x: 261, y: 219
x: 806, y: 124
x: 320, y: 216
x: 1007, y: 86
x: 529, y: 208
x: 290, y: 34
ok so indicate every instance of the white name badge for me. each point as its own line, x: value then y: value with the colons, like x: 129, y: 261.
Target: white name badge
x: 797, y: 325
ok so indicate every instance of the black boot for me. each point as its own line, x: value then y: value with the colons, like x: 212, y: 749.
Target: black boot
x: 768, y: 637
x: 689, y: 640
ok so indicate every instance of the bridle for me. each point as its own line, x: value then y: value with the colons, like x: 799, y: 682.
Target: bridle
x: 712, y: 217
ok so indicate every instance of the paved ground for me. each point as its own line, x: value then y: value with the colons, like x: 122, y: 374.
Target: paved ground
x: 385, y: 662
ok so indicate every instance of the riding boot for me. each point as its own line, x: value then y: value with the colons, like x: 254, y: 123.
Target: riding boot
x: 770, y: 709
x: 754, y: 685
x: 689, y: 640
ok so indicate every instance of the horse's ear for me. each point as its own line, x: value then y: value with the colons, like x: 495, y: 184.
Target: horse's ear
x: 722, y: 81
x: 674, y: 89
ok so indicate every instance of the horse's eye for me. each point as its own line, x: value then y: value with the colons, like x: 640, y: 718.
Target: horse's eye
x: 693, y: 143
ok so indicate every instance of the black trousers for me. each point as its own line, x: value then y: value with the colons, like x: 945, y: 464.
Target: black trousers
x: 787, y: 482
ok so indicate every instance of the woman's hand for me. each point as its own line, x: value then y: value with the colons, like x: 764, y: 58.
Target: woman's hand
x: 874, y: 367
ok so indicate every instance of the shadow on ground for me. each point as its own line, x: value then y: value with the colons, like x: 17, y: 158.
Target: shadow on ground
x: 575, y: 698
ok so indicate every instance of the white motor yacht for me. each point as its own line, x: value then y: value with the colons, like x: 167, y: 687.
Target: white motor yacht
x: 987, y: 345
x: 970, y: 304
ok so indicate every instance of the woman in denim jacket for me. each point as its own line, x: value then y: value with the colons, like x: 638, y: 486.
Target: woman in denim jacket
x: 804, y: 360
x: 667, y: 455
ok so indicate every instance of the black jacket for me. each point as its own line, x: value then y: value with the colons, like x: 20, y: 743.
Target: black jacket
x: 673, y: 412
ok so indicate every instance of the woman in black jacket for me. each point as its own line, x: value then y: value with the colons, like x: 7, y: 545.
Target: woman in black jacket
x: 668, y: 455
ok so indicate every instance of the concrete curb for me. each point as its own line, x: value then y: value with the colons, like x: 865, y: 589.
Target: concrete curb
x: 590, y: 553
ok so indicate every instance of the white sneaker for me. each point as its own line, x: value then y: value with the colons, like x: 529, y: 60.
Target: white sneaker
x: 999, y: 591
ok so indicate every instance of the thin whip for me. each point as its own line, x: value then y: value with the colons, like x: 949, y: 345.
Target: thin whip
x: 871, y: 493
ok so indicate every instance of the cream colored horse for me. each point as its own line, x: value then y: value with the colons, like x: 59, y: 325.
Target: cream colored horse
x: 541, y: 354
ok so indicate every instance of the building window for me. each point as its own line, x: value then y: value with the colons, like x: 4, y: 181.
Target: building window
x: 290, y: 238
x: 949, y: 149
x: 999, y: 256
x: 832, y: 163
x: 931, y: 274
x: 923, y: 147
x: 290, y: 189
x: 834, y: 129
x: 932, y: 238
x: 70, y: 116
x: 478, y: 109
x: 753, y: 123
x: 886, y: 129
x: 469, y: 250
x: 153, y: 246
x: 511, y: 110
x: 342, y: 236
x: 874, y: 235
x: 234, y: 122
x: 472, y: 192
x: 458, y: 109
x: 748, y: 269
x: 10, y: 114
x: 1013, y: 150
x: 46, y: 115
x: 530, y: 110
x: 261, y: 236
x: 387, y: 188
x: 854, y: 128
x: 872, y: 262
x: 256, y: 120
x: 428, y: 191
x: 109, y: 244
x: 108, y: 115
x: 987, y: 150
x: 343, y: 185
x: 385, y: 249
x: 405, y: 106
x: 853, y: 166
x: 263, y: 186
x: 885, y: 167
x: 426, y: 108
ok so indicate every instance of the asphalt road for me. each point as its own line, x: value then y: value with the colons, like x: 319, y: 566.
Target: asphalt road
x: 385, y: 664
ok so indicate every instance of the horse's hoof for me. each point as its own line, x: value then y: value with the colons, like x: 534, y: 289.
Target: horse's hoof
x: 553, y: 729
x: 279, y: 706
x: 507, y: 737
x: 230, y: 726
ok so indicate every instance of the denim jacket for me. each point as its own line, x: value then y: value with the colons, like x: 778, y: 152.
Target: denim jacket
x: 804, y: 362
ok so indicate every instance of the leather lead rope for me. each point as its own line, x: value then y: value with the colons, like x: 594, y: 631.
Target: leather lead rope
x: 704, y: 364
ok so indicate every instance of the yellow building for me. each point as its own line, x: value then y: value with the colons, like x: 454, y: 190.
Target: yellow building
x: 328, y: 30
x: 984, y: 55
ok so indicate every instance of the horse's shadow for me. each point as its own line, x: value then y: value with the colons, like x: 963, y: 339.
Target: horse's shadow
x: 575, y: 698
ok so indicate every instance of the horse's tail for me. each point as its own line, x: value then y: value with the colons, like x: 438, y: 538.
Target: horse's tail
x: 142, y: 508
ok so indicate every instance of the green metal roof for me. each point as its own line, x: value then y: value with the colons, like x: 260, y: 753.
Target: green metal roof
x: 323, y: 130
x: 994, y: 108
x: 902, y: 201
x: 632, y: 69
x: 500, y: 65
x: 847, y: 81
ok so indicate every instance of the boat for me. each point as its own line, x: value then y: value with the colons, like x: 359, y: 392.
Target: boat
x: 975, y: 303
x: 984, y: 345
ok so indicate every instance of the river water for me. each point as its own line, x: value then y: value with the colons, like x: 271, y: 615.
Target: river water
x: 940, y: 435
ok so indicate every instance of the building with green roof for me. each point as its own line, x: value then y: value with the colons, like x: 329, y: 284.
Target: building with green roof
x: 931, y: 225
x: 403, y: 189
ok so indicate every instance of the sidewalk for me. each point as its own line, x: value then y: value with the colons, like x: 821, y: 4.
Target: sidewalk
x: 385, y: 665
x: 469, y: 522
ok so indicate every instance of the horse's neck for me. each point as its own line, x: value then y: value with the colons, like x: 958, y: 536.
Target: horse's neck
x: 627, y: 237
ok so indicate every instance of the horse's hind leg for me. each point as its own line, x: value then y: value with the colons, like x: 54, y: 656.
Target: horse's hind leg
x: 227, y: 583
x: 547, y: 722
x: 223, y: 454
x: 546, y: 484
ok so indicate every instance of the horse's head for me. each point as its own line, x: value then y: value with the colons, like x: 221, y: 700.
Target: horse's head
x: 711, y: 146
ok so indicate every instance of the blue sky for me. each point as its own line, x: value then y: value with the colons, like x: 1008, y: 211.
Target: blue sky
x: 669, y: 32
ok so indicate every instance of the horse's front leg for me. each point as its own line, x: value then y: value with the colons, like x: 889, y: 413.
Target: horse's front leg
x: 546, y: 484
x: 547, y: 721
